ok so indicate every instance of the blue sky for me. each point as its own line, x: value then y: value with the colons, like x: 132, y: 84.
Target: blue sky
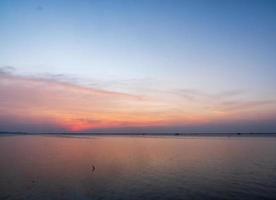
x: 145, y: 47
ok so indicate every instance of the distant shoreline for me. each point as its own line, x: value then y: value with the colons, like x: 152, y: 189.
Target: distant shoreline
x: 140, y: 134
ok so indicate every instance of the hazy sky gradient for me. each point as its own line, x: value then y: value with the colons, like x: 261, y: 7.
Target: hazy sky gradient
x: 156, y: 66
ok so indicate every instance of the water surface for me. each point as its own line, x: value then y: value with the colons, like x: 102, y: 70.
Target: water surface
x: 126, y: 167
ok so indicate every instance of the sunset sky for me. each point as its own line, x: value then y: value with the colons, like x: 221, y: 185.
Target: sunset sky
x: 157, y: 66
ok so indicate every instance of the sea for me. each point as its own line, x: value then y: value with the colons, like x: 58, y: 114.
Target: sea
x: 129, y: 167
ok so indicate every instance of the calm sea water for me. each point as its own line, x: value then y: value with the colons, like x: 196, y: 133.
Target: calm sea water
x: 126, y: 167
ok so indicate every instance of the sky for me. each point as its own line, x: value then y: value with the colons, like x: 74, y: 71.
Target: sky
x: 158, y: 66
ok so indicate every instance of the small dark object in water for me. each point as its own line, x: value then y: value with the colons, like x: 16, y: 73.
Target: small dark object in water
x: 93, y: 168
x: 33, y: 181
x: 238, y: 133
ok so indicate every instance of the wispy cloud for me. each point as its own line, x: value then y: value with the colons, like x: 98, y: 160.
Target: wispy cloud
x: 56, y: 99
x: 6, y: 70
x: 230, y: 101
x: 44, y: 97
x: 59, y: 102
x: 198, y: 95
x: 241, y: 105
